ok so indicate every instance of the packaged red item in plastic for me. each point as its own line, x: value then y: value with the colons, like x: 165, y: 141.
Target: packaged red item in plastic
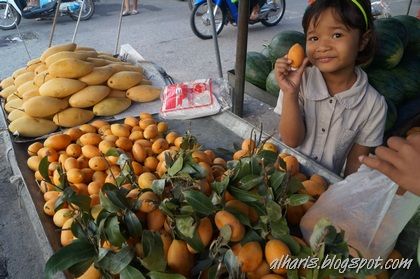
x: 188, y: 100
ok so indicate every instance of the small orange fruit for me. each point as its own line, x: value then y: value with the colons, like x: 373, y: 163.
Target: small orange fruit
x: 296, y: 54
x: 319, y: 179
x: 149, y: 201
x: 275, y: 250
x: 250, y: 256
x: 248, y: 145
x: 313, y: 188
x: 145, y: 180
x: 225, y: 218
x: 292, y: 164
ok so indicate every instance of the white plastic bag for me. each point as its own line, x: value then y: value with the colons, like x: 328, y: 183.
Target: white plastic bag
x: 366, y: 207
x: 193, y: 99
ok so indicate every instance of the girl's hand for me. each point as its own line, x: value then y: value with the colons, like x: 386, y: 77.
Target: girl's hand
x: 287, y: 79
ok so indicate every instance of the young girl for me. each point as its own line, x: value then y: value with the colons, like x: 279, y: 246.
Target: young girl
x: 329, y: 111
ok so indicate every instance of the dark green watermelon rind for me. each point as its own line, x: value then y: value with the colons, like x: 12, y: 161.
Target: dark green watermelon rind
x: 283, y: 41
x: 257, y: 68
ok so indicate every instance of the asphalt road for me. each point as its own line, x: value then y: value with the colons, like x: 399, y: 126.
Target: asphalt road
x: 161, y: 33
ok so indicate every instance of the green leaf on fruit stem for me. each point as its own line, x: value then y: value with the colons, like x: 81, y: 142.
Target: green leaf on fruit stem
x: 115, y: 262
x: 115, y: 152
x: 113, y: 231
x: 76, y: 252
x: 158, y: 186
x: 43, y: 169
x: 107, y: 204
x: 220, y: 187
x: 176, y: 167
x: 186, y: 226
x: 153, y: 251
x: 199, y: 202
x: 130, y: 272
x: 161, y: 275
x: 244, y: 196
x: 298, y: 199
x: 134, y: 226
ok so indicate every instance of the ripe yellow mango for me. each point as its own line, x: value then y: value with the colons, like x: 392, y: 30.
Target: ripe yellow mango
x: 71, y: 117
x: 87, y: 53
x: 27, y: 86
x: 99, y: 75
x: 109, y: 57
x: 83, y: 48
x: 6, y: 82
x: 33, y: 62
x: 119, y: 67
x: 42, y: 67
x: 111, y: 106
x: 57, y: 48
x: 42, y: 77
x: 98, y: 62
x: 18, y: 72
x: 89, y: 96
x: 15, y: 114
x: 21, y: 79
x: 70, y: 68
x: 8, y: 91
x: 12, y: 96
x: 66, y: 54
x: 43, y: 106
x: 144, y: 93
x: 117, y: 93
x: 61, y: 87
x: 32, y: 127
x: 13, y: 104
x: 124, y: 80
x: 29, y: 94
x: 32, y: 67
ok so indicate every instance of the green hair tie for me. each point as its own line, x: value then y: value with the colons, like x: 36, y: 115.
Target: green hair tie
x: 362, y: 10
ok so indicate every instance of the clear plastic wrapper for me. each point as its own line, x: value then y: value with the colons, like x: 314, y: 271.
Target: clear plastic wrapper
x: 193, y: 99
x: 380, y: 9
x: 366, y: 207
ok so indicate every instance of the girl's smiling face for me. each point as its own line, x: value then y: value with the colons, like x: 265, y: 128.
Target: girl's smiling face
x: 331, y: 45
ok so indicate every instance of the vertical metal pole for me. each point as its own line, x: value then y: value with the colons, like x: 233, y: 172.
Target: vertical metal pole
x: 78, y: 21
x: 119, y: 29
x: 18, y: 30
x: 241, y: 47
x: 57, y: 9
x: 216, y: 44
x: 409, y: 6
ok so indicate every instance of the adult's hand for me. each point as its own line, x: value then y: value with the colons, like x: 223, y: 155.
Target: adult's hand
x: 400, y: 161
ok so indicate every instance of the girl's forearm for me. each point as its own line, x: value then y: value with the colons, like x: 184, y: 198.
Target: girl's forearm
x: 291, y: 126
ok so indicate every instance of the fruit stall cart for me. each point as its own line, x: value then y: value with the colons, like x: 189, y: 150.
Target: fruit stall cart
x: 218, y: 135
x: 225, y: 127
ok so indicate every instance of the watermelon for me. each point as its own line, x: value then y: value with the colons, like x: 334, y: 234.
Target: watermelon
x: 282, y: 41
x: 408, y: 111
x: 387, y: 85
x: 412, y: 25
x: 257, y: 68
x: 395, y: 25
x: 266, y: 51
x: 271, y: 84
x: 391, y: 115
x: 408, y: 72
x: 389, y: 49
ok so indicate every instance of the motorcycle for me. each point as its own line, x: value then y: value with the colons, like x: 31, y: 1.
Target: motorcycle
x: 11, y: 11
x: 225, y: 11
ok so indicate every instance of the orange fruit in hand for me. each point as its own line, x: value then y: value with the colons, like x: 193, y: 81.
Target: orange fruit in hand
x: 296, y: 54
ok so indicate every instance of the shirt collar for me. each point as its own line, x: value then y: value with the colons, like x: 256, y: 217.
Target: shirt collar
x: 317, y: 89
